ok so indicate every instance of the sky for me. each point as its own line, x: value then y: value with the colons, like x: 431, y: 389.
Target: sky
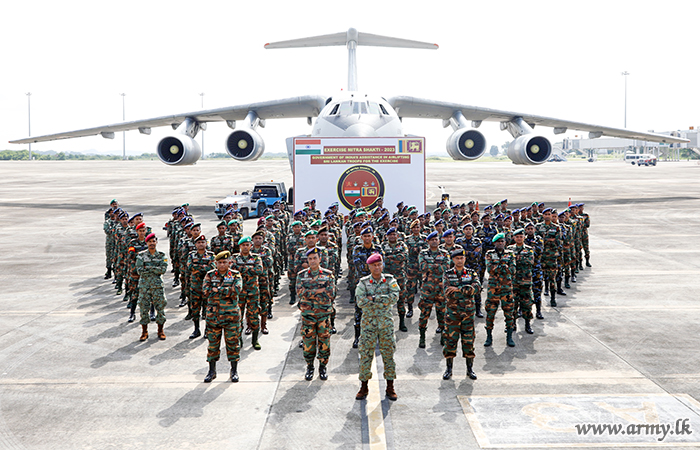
x: 561, y: 59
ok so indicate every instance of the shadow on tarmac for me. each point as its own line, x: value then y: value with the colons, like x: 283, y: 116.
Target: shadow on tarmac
x: 191, y: 405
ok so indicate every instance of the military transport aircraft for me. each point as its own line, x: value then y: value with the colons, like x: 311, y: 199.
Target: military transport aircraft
x: 352, y: 113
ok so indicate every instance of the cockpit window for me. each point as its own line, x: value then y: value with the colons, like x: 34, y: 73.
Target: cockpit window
x: 359, y: 108
x: 373, y: 108
x: 383, y: 109
x: 345, y: 108
x: 334, y: 111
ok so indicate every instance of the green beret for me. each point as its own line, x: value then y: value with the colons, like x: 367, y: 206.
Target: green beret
x: 519, y: 231
x: 497, y: 237
x: 222, y: 223
x: 296, y: 222
x: 311, y: 232
x: 184, y: 204
x: 316, y: 223
x: 197, y: 225
x: 270, y: 216
x: 222, y: 255
x: 231, y: 222
x: 114, y: 200
x: 244, y: 239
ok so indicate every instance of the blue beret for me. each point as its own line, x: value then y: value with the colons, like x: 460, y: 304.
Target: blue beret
x: 367, y: 230
x: 448, y: 232
x: 137, y: 214
x: 391, y: 230
x: 529, y: 224
x: 358, y: 202
x: 515, y: 211
x: 500, y: 216
x: 505, y: 200
x: 357, y: 224
x: 383, y: 216
x: 314, y: 250
x: 434, y: 234
x: 546, y: 210
x: 399, y: 204
x: 439, y: 222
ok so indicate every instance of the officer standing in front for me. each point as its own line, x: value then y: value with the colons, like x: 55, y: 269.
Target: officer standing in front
x: 151, y: 265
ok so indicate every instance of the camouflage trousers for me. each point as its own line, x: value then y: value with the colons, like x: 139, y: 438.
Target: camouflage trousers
x: 459, y: 324
x: 427, y: 300
x: 249, y: 304
x: 148, y: 297
x: 132, y: 288
x: 584, y: 244
x: 577, y: 253
x: 387, y: 345
x: 403, y: 296
x: 316, y: 335
x: 198, y: 304
x: 537, y: 282
x: 230, y: 327
x: 265, y: 294
x: 412, y: 283
x: 109, y: 253
x: 292, y: 285
x: 493, y: 300
x: 549, y: 273
x: 522, y: 298
x: 567, y: 260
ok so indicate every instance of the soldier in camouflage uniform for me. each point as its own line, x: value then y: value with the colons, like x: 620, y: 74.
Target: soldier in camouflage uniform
x: 295, y: 240
x: 584, y: 233
x: 395, y: 258
x: 432, y: 264
x: 120, y: 250
x: 359, y: 260
x: 222, y: 241
x: 221, y: 288
x: 415, y: 242
x: 500, y: 264
x: 522, y: 282
x: 485, y: 233
x: 136, y: 246
x: 535, y: 241
x: 551, y: 235
x: 266, y: 280
x: 108, y: 227
x: 473, y: 246
x: 199, y: 263
x: 333, y: 262
x: 459, y: 285
x: 251, y: 268
x: 317, y: 290
x: 567, y: 233
x: 376, y: 294
x: 151, y: 265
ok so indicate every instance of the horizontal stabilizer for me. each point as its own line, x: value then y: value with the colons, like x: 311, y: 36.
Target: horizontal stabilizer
x: 352, y: 34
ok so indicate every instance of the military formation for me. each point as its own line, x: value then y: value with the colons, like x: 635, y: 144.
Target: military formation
x: 447, y: 258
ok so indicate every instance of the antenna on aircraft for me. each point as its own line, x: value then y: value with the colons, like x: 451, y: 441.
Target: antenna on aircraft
x: 351, y: 39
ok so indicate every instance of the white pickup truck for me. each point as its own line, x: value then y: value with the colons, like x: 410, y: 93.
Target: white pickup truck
x: 254, y: 203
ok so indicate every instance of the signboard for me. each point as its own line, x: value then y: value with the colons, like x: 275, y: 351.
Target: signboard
x: 348, y: 169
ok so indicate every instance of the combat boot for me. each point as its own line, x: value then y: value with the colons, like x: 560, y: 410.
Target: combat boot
x: 421, y: 341
x: 352, y: 296
x: 362, y: 393
x: 176, y: 281
x: 119, y: 290
x: 183, y: 301
x: 546, y: 289
x: 189, y: 312
x: 144, y: 333
x: 409, y: 312
x: 212, y: 372
x: 108, y: 275
x: 333, y: 330
x: 161, y: 334
x: 390, y: 393
x: 509, y: 338
x: 152, y: 314
x: 309, y: 372
x: 263, y: 324
x: 477, y: 303
x: 269, y: 311
x: 292, y: 297
x: 566, y: 283
x: 560, y: 291
x: 234, y: 372
x: 588, y: 262
x: 489, y: 338
x: 256, y: 344
x: 402, y: 323
x: 580, y: 264
x: 132, y: 317
x: 528, y: 328
x: 573, y: 277
x: 322, y: 374
x: 196, y: 333
x: 553, y: 299
x: 248, y: 330
x: 470, y: 368
x: 448, y: 371
x: 356, y: 342
x: 538, y: 306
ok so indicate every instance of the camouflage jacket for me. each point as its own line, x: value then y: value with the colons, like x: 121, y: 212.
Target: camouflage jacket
x: 377, y: 299
x: 486, y: 234
x: 524, y: 263
x: 501, y: 268
x: 223, y: 304
x: 312, y: 303
x: 300, y: 258
x: 250, y: 268
x: 537, y: 245
x: 220, y: 243
x: 135, y: 247
x: 432, y: 265
x: 150, y: 269
x: 359, y: 258
x: 415, y: 245
x: 467, y: 281
x: 333, y: 253
x: 473, y: 248
x: 198, y: 266
x: 294, y: 242
x: 267, y: 259
x: 551, y: 235
x: 395, y: 259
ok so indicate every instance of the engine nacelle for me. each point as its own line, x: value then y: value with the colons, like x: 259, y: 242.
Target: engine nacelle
x: 245, y: 145
x: 530, y: 149
x: 466, y: 144
x: 179, y: 150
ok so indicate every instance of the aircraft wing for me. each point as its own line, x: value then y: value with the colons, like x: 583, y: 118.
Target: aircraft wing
x: 295, y: 107
x: 429, y: 109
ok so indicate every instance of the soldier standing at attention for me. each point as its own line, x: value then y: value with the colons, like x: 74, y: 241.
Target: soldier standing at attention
x: 222, y: 241
x: 250, y: 267
x: 221, y: 288
x: 535, y: 241
x: 522, y: 282
x: 485, y: 233
x: 136, y: 246
x: 109, y: 237
x: 552, y: 241
x: 294, y: 241
x: 360, y: 254
x: 395, y: 257
x: 266, y: 281
x: 472, y: 246
x: 151, y: 265
x: 199, y: 263
x: 459, y: 286
x: 415, y: 242
x: 316, y: 289
x: 584, y: 235
x: 500, y: 264
x: 432, y: 264
x: 376, y: 294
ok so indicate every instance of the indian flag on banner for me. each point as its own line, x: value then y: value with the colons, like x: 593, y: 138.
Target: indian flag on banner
x: 351, y: 192
x: 307, y: 146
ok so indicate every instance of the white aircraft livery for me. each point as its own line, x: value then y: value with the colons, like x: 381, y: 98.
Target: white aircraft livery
x: 353, y: 113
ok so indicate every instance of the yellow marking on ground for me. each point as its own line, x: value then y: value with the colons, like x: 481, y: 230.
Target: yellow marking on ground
x: 375, y: 417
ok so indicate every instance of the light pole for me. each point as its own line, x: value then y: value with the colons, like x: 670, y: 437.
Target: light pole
x: 123, y: 132
x: 201, y: 94
x: 29, y: 114
x: 625, y: 73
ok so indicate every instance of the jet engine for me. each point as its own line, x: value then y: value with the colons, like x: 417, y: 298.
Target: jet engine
x: 179, y: 150
x: 245, y: 145
x: 466, y: 144
x: 530, y: 149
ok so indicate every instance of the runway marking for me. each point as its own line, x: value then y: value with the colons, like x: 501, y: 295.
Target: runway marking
x: 527, y: 421
x: 375, y: 415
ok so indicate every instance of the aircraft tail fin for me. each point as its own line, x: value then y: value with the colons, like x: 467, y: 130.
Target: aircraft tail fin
x: 351, y: 39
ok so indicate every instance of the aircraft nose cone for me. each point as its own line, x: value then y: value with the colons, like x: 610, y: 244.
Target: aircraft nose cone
x: 360, y: 130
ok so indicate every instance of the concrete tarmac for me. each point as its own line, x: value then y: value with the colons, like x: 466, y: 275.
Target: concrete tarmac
x: 620, y: 349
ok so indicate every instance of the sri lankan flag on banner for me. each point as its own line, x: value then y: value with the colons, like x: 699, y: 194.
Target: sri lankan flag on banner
x: 369, y: 191
x: 410, y: 146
